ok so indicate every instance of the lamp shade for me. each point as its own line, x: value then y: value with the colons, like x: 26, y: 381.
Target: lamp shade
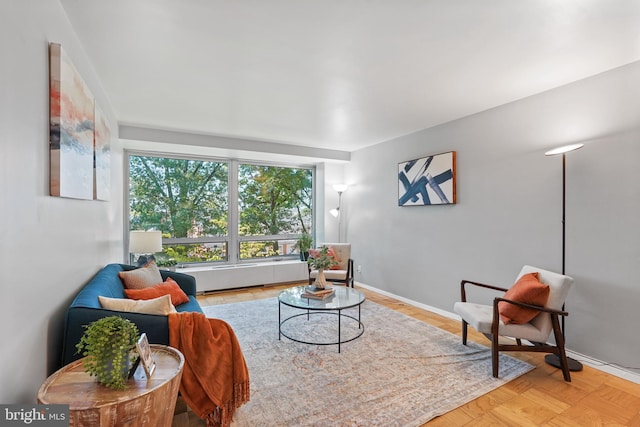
x: 340, y: 188
x: 145, y: 242
x: 563, y: 149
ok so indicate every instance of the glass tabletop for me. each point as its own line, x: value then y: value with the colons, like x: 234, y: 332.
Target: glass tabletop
x: 343, y: 297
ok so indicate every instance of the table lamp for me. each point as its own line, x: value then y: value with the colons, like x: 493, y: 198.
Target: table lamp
x: 145, y: 244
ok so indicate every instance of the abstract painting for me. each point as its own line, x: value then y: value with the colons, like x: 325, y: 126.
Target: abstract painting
x: 71, y: 129
x: 429, y: 180
x: 102, y: 161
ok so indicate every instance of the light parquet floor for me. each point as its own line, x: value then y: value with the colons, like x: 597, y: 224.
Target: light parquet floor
x: 538, y: 398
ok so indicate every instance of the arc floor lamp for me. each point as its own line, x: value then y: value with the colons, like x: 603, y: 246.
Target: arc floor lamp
x: 553, y: 359
x: 340, y: 188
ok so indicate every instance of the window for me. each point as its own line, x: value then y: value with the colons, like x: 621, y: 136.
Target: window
x: 275, y: 208
x: 205, y: 218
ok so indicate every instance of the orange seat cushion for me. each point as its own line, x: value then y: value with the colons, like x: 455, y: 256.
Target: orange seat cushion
x: 169, y: 287
x: 529, y: 290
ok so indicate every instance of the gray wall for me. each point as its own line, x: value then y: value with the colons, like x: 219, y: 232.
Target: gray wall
x: 509, y: 208
x: 49, y: 247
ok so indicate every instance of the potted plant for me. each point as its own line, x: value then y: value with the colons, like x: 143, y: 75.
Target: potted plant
x: 304, y: 244
x: 167, y: 264
x: 321, y: 260
x: 106, y: 345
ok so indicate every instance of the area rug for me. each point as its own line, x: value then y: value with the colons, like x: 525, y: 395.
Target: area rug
x: 400, y: 372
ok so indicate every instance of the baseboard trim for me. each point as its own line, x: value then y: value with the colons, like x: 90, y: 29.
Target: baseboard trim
x: 411, y: 302
x: 609, y: 368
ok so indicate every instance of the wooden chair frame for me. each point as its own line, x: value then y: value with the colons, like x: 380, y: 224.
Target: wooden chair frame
x: 496, y: 347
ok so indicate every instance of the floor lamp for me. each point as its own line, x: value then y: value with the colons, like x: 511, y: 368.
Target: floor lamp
x: 340, y: 188
x: 553, y: 359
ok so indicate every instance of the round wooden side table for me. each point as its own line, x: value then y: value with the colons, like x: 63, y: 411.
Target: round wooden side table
x: 145, y: 402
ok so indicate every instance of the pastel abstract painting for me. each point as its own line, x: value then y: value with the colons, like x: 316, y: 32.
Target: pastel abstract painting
x: 71, y: 129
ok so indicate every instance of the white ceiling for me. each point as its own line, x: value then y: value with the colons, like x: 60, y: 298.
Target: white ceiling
x: 341, y: 74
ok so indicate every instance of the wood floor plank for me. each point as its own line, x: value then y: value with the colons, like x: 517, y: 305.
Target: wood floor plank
x: 486, y: 420
x: 523, y: 411
x: 484, y: 404
x: 545, y: 400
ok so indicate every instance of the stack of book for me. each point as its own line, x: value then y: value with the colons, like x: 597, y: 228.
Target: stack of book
x: 315, y: 293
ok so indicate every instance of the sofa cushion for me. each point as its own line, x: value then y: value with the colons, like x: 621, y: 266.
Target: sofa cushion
x: 105, y: 283
x: 160, y: 305
x: 169, y: 287
x: 142, y: 277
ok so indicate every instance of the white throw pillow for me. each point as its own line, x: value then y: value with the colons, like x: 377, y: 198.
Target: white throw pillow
x: 161, y: 305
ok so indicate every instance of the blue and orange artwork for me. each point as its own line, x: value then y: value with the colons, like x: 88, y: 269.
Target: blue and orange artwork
x: 71, y: 129
x: 427, y: 181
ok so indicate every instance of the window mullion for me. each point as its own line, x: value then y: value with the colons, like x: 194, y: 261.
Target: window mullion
x: 233, y: 215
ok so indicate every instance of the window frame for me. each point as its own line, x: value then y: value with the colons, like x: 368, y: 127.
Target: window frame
x: 232, y: 239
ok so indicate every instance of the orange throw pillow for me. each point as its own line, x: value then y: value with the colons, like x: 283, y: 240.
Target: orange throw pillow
x: 169, y: 287
x: 529, y: 290
x: 333, y: 255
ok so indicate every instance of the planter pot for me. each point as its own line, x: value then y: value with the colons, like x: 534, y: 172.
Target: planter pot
x: 304, y: 256
x: 321, y: 281
x: 122, y: 370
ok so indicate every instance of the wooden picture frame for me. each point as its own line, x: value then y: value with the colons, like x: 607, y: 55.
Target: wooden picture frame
x: 145, y: 357
x: 429, y: 180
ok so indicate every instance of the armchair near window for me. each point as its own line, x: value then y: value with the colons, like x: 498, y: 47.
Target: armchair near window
x: 343, y: 271
x: 487, y: 319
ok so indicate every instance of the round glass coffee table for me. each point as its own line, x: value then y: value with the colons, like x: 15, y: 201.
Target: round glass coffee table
x: 342, y: 299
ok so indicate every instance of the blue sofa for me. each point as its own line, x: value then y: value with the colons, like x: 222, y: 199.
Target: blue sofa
x: 86, y: 308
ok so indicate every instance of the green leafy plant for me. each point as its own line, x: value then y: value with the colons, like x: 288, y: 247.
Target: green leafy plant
x: 322, y: 259
x: 304, y: 242
x: 166, y: 262
x: 107, y: 343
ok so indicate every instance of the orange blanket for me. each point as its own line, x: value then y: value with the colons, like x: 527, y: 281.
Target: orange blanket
x: 215, y: 380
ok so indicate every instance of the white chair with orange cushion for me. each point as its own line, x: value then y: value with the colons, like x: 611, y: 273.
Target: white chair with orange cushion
x: 529, y: 311
x: 341, y: 272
